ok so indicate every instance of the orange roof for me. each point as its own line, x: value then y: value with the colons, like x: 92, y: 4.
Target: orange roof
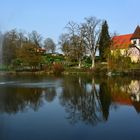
x: 122, y: 100
x: 121, y: 41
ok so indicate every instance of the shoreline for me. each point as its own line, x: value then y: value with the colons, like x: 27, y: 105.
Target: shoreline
x: 73, y: 72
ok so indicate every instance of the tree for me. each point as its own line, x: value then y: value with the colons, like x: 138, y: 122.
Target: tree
x: 29, y: 55
x: 90, y: 31
x: 9, y: 47
x: 104, y: 41
x: 1, y: 40
x: 49, y: 45
x: 22, y: 38
x: 77, y: 48
x: 65, y: 44
x: 72, y: 43
x: 12, y: 42
x: 35, y: 38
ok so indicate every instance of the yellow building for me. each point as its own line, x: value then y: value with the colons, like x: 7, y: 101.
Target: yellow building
x: 128, y: 44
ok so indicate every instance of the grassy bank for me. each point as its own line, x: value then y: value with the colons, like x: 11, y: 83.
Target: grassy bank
x: 101, y: 69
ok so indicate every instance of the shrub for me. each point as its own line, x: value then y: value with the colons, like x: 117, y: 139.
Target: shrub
x: 57, y: 68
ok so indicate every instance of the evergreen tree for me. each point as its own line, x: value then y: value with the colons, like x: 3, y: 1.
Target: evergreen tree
x: 104, y: 41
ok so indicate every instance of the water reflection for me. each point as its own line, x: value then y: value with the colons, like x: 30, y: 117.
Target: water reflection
x: 89, y: 101
x: 84, y: 99
x: 19, y: 99
x: 126, y: 92
x: 134, y: 90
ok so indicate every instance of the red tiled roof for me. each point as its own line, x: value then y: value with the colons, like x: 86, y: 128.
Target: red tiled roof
x: 121, y: 41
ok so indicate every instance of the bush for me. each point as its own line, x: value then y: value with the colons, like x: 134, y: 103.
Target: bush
x: 57, y: 68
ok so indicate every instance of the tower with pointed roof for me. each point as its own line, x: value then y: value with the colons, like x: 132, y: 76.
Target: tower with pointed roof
x: 135, y: 38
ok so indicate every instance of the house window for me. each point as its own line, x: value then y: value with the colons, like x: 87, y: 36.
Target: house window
x: 134, y: 42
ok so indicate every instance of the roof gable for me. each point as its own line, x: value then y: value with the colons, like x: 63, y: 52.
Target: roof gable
x: 136, y: 34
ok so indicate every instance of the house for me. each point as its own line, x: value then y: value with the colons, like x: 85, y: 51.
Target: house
x: 40, y: 50
x: 128, y: 44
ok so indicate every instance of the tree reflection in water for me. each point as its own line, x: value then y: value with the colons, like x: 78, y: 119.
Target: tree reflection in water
x: 105, y: 99
x: 13, y: 100
x: 89, y: 105
x: 19, y: 99
x: 50, y: 94
x: 85, y: 99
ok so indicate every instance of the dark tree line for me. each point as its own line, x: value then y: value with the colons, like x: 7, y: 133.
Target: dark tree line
x: 23, y: 98
x: 19, y: 49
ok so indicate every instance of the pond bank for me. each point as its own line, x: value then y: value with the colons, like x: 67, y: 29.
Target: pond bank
x: 132, y: 72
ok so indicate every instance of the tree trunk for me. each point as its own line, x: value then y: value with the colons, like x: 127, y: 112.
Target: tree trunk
x: 79, y: 66
x: 93, y: 61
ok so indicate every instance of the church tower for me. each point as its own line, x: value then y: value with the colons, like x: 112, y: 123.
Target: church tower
x: 135, y: 38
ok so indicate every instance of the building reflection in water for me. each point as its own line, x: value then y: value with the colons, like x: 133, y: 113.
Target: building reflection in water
x: 134, y: 90
x: 128, y: 93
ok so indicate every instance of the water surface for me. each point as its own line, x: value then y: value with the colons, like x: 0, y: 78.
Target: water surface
x: 69, y: 108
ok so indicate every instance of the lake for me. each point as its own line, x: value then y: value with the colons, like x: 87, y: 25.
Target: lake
x: 69, y: 108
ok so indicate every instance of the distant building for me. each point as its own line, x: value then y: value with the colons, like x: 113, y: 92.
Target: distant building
x: 128, y: 44
x: 40, y: 50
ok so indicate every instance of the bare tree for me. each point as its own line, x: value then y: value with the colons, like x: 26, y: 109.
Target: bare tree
x: 21, y: 38
x: 35, y: 38
x: 73, y: 45
x: 49, y: 45
x: 90, y: 30
x: 9, y: 46
x: 64, y: 44
x: 72, y: 28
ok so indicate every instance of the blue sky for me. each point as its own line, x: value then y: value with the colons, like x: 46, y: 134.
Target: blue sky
x: 49, y: 17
